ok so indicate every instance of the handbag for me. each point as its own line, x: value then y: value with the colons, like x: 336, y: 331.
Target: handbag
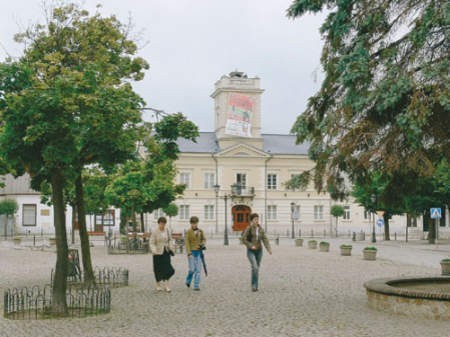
x: 170, y: 251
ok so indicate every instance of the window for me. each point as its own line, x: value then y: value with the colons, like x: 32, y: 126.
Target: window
x: 241, y: 180
x: 29, y: 215
x: 210, y: 180
x: 209, y: 212
x: 185, y: 178
x: 271, y: 181
x: 366, y: 215
x: 271, y: 212
x: 318, y: 212
x: 106, y: 219
x: 346, y: 213
x: 158, y: 213
x: 296, y: 214
x: 293, y: 175
x: 184, y: 212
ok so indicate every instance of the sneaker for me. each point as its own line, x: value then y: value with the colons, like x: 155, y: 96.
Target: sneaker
x: 187, y: 285
x: 254, y: 289
x: 197, y: 289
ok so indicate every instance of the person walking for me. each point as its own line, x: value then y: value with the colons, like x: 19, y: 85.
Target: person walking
x: 195, y: 244
x: 252, y: 237
x: 162, y: 249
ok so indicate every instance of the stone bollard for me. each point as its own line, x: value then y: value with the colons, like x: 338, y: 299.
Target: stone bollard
x: 277, y: 240
x: 354, y: 236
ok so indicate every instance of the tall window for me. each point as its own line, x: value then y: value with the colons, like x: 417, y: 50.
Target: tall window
x: 209, y: 212
x: 184, y: 212
x: 271, y: 181
x: 241, y: 180
x: 271, y: 212
x: 106, y: 219
x: 318, y: 212
x: 346, y: 213
x: 158, y: 213
x: 296, y: 212
x: 185, y: 178
x: 366, y: 215
x: 292, y: 176
x: 29, y: 215
x: 210, y: 180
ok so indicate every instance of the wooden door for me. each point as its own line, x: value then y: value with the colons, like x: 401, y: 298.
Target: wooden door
x: 241, y: 215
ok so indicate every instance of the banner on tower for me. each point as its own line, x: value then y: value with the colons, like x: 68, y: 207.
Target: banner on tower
x: 239, y: 118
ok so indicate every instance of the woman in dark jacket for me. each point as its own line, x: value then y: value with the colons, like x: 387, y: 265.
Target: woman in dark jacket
x: 252, y: 237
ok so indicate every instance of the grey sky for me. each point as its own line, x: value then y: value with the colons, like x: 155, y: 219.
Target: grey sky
x: 190, y: 44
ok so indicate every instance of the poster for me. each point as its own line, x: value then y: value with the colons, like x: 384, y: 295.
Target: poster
x: 239, y: 118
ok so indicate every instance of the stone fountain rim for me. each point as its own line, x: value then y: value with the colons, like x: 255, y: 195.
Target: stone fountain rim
x: 384, y: 286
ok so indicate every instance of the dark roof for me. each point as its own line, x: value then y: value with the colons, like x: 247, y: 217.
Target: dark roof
x: 273, y: 144
x: 283, y: 144
x: 206, y: 142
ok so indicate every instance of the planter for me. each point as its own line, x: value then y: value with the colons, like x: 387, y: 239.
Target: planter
x: 17, y: 240
x: 324, y: 246
x: 445, y: 266
x: 299, y: 242
x: 52, y: 241
x: 312, y: 244
x: 346, y: 250
x: 370, y: 254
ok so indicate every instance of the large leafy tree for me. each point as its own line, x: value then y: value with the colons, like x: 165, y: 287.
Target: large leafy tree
x: 384, y: 102
x: 66, y: 103
x: 145, y: 185
x: 405, y: 193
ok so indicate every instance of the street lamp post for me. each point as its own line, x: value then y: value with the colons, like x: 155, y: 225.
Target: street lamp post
x: 373, y: 198
x: 217, y: 189
x: 225, y: 233
x: 292, y: 220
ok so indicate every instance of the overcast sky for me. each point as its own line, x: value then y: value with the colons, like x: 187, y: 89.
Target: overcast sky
x: 190, y: 44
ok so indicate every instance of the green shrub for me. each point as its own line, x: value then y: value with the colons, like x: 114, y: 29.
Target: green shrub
x: 370, y: 248
x: 345, y: 246
x: 324, y: 243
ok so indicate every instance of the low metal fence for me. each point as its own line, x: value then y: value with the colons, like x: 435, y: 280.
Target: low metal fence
x: 128, y: 245
x: 35, y: 302
x: 104, y: 276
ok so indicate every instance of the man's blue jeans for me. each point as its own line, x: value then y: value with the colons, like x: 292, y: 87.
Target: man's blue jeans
x: 194, y: 268
x: 254, y: 256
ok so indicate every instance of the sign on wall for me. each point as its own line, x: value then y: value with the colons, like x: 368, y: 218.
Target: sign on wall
x: 239, y: 118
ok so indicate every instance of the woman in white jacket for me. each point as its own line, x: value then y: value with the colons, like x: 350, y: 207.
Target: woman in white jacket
x: 162, y: 248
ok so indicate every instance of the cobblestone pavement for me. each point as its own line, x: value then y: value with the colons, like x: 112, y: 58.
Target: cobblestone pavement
x: 303, y: 293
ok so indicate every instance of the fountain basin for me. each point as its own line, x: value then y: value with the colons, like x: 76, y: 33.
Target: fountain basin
x: 421, y: 297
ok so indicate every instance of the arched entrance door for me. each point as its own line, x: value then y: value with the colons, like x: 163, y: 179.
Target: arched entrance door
x: 241, y: 215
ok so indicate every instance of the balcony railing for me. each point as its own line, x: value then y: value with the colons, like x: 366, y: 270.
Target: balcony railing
x: 238, y: 190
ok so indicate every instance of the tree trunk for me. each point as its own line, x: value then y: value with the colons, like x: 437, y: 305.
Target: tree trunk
x: 142, y: 222
x: 89, y: 277
x: 432, y: 231
x: 59, y: 304
x: 123, y: 221
x: 74, y: 215
x: 387, y: 235
x: 133, y: 219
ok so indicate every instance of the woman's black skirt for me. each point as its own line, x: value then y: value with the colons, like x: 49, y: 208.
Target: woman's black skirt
x: 162, y: 267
